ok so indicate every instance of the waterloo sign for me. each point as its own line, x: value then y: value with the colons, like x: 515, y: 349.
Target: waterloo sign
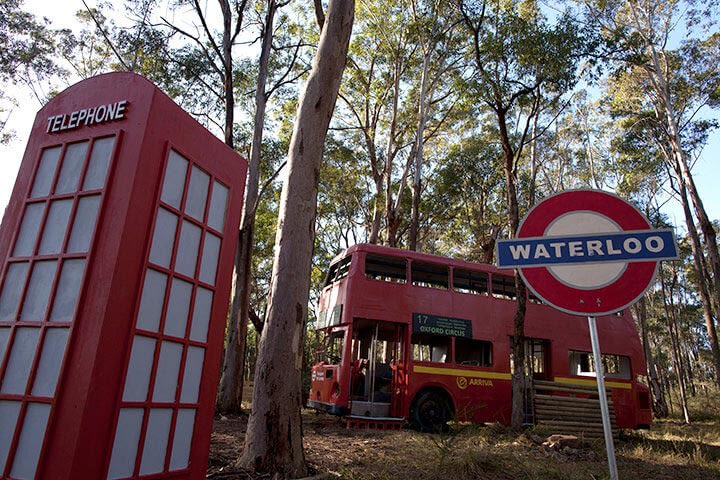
x: 587, y: 252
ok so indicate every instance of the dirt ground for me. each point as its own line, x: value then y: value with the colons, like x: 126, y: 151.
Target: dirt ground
x: 489, y: 452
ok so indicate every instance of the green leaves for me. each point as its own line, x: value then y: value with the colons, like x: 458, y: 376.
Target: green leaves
x: 28, y: 45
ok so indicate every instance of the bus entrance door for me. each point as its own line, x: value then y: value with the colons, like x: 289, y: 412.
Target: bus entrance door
x: 378, y: 367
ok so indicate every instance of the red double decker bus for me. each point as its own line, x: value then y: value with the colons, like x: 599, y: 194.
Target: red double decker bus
x: 414, y: 337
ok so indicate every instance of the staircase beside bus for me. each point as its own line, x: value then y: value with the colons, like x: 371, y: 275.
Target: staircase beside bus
x: 570, y: 409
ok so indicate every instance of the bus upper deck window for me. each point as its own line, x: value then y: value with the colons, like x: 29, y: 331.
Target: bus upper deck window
x: 468, y: 281
x: 503, y: 286
x: 534, y: 298
x: 338, y: 270
x: 429, y: 275
x: 389, y: 269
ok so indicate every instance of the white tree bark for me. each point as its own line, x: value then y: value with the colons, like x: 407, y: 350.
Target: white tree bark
x: 419, y: 151
x: 273, y: 442
x: 231, y: 382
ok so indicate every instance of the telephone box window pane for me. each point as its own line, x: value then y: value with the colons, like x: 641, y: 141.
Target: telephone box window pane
x: 21, y: 357
x: 197, y: 194
x: 211, y: 250
x: 151, y: 303
x: 55, y: 227
x: 193, y: 372
x: 68, y: 288
x: 50, y: 361
x: 201, y: 315
x: 38, y: 292
x: 71, y: 168
x: 163, y: 238
x: 31, y: 440
x: 127, y: 438
x: 4, y: 335
x: 174, y: 182
x: 178, y: 308
x: 25, y: 243
x: 138, y: 374
x: 182, y: 440
x: 46, y: 172
x: 8, y: 419
x: 218, y: 205
x: 156, y: 440
x: 187, y: 249
x: 166, y: 378
x: 99, y: 161
x: 12, y: 288
x: 84, y: 224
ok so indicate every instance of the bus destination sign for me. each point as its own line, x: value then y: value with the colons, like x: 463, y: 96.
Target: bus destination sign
x: 436, y: 325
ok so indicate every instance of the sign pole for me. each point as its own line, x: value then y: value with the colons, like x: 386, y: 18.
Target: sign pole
x: 607, y: 428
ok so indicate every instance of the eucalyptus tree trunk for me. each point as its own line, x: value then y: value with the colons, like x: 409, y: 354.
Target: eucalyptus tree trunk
x: 659, y: 406
x: 377, y: 213
x: 377, y: 176
x: 671, y: 319
x: 227, y: 60
x: 232, y: 379
x: 657, y: 76
x: 273, y: 442
x: 419, y: 151
x: 702, y: 285
x: 391, y: 215
x: 518, y: 339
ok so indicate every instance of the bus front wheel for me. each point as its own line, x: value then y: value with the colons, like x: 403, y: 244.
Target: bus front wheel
x: 430, y: 412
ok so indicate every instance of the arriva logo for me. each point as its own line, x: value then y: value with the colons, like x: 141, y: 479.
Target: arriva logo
x: 462, y: 382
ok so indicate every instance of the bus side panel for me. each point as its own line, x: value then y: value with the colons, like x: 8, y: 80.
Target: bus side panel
x: 484, y: 400
x: 624, y: 402
x: 474, y: 399
x: 380, y: 300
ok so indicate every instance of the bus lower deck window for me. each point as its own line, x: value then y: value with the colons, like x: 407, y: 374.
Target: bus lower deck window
x: 332, y: 347
x: 615, y: 366
x: 430, y: 348
x: 388, y: 269
x: 477, y: 353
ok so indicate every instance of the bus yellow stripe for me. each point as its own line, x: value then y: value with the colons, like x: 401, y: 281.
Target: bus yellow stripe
x: 456, y: 372
x: 591, y: 383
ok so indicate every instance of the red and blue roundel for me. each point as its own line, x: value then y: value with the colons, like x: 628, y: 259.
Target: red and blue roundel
x: 586, y: 252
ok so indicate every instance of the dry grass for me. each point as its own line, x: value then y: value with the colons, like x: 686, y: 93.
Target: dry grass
x: 490, y: 452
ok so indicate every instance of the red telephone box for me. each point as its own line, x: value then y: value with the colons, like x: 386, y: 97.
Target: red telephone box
x: 117, y: 250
